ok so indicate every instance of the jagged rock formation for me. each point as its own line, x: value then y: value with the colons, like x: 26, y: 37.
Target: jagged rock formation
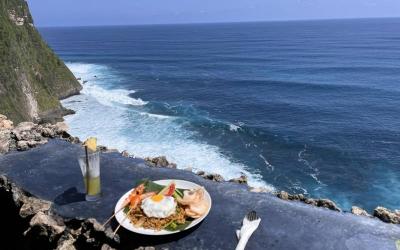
x: 314, y: 202
x: 387, y: 215
x: 29, y: 223
x: 29, y: 135
x: 32, y: 77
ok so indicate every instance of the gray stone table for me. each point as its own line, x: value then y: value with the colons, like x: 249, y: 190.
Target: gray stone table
x: 52, y: 172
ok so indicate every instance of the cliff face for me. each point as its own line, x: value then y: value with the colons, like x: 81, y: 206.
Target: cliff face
x: 32, y: 77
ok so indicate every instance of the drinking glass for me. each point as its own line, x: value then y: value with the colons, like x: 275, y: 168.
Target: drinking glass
x: 90, y: 167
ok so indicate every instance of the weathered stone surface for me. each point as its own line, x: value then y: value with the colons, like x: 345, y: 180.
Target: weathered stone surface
x: 33, y: 206
x: 66, y: 242
x: 387, y: 215
x: 284, y: 225
x: 5, y: 123
x: 47, y: 223
x: 5, y: 140
x: 39, y: 228
x: 28, y: 135
x: 241, y: 180
x: 359, y: 211
x: 160, y: 162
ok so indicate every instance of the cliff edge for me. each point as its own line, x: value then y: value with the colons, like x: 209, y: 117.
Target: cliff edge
x: 32, y: 77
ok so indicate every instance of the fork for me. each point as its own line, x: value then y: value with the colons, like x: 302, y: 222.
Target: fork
x: 250, y: 223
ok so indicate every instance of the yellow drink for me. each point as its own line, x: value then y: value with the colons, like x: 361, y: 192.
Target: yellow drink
x: 94, y: 185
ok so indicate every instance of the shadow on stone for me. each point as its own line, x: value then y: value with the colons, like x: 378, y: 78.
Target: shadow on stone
x: 70, y: 195
x: 134, y: 240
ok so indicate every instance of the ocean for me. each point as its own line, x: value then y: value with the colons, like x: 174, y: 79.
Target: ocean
x: 309, y: 107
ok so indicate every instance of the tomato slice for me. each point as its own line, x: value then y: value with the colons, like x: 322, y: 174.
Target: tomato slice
x: 171, y: 190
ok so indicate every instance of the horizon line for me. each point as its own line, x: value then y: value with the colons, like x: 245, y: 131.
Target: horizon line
x: 222, y: 22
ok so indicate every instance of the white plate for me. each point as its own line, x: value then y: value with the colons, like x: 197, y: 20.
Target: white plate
x: 120, y: 216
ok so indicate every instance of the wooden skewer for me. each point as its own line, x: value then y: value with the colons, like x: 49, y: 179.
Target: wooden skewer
x: 115, y: 232
x: 112, y: 216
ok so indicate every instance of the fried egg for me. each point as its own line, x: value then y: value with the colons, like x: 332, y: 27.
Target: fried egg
x: 159, y: 206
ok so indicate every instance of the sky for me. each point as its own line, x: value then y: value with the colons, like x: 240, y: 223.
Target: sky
x: 128, y: 12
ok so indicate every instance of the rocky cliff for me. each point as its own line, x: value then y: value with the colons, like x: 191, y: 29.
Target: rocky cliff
x: 32, y: 77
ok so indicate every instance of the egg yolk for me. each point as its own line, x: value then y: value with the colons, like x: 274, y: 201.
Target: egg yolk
x: 157, y: 198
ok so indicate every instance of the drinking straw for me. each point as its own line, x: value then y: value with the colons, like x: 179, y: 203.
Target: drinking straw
x: 87, y: 170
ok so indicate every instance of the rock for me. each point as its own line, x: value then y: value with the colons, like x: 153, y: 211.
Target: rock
x: 241, y: 180
x: 160, y: 162
x: 314, y: 202
x: 5, y: 123
x: 106, y: 247
x: 66, y: 242
x: 311, y: 201
x: 387, y: 215
x: 61, y: 127
x: 212, y: 177
x: 283, y: 195
x: 125, y: 153
x: 5, y: 140
x: 22, y: 145
x: 328, y: 204
x: 32, y: 206
x: 359, y: 211
x: 47, y: 132
x: 46, y: 220
x: 22, y: 127
x: 41, y: 229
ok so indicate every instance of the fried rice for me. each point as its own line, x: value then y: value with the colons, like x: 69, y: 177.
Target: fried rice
x: 139, y: 219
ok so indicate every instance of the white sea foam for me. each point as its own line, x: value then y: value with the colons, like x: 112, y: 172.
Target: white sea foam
x: 99, y: 113
x: 156, y: 115
x: 269, y: 165
x: 96, y: 80
x: 315, y: 170
x: 233, y: 127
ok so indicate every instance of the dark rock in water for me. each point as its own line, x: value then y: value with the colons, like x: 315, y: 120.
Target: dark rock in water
x: 241, y: 180
x: 359, y: 211
x: 387, y: 215
x: 84, y: 82
x: 79, y: 78
x: 29, y: 223
x: 212, y: 177
x: 159, y: 162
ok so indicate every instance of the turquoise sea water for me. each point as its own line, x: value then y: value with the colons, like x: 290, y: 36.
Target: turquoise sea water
x: 307, y: 107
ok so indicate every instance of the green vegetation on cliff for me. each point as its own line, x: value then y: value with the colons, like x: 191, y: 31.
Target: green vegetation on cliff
x: 32, y: 77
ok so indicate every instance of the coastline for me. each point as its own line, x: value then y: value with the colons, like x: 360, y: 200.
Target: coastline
x: 28, y: 135
x: 285, y: 225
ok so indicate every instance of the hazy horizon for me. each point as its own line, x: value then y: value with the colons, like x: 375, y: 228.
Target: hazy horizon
x: 71, y: 13
x: 231, y: 22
